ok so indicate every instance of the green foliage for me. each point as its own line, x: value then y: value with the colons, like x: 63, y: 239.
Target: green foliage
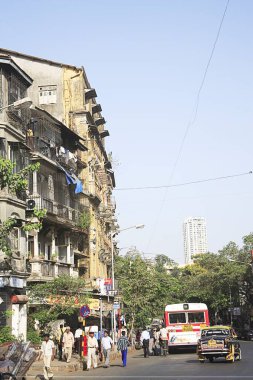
x: 222, y: 280
x: 6, y: 170
x: 6, y: 335
x: 33, y: 337
x: 16, y: 182
x: 30, y: 225
x: 60, y: 296
x: 5, y: 229
x: 145, y: 288
x: 84, y: 220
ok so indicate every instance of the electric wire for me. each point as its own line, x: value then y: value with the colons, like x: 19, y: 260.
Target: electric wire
x: 191, y: 121
x: 184, y: 183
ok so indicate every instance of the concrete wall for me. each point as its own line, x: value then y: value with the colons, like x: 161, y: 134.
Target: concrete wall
x: 44, y: 74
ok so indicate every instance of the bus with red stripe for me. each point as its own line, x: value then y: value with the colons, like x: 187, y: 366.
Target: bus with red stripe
x: 184, y: 322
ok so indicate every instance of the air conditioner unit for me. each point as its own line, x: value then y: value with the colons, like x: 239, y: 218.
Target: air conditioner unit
x: 30, y: 204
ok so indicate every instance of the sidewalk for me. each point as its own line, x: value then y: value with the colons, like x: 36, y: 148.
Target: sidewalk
x: 36, y: 370
x: 61, y: 367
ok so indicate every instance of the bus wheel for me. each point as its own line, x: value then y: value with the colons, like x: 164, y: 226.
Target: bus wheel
x: 210, y: 359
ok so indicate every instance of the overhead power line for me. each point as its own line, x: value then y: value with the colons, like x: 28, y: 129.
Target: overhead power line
x: 191, y: 121
x: 184, y: 183
x: 196, y: 104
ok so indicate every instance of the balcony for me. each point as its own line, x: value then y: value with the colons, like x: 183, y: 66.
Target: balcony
x: 90, y: 93
x: 39, y: 145
x: 47, y: 270
x: 63, y: 270
x: 52, y: 207
x: 96, y: 108
x: 100, y: 121
x: 42, y: 270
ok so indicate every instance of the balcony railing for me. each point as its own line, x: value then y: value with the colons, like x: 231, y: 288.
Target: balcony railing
x: 63, y: 270
x: 48, y: 269
x: 56, y: 208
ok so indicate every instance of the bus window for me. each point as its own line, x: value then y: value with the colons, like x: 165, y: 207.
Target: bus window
x: 177, y: 317
x: 197, y: 317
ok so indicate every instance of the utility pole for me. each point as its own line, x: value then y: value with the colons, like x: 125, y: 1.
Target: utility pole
x: 101, y: 315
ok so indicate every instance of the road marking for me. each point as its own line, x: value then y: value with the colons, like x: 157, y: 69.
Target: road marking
x: 178, y: 377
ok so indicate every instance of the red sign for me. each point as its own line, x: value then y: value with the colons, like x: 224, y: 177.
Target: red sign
x: 108, y: 281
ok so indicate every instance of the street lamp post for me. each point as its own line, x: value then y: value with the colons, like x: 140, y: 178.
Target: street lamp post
x: 113, y: 233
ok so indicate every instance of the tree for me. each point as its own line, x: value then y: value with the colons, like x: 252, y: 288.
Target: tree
x: 53, y: 299
x: 16, y: 183
x: 163, y: 262
x: 135, y: 282
x: 145, y: 287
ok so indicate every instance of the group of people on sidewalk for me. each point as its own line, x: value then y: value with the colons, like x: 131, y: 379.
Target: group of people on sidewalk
x: 155, y: 342
x: 66, y: 342
x: 48, y: 350
x: 107, y: 347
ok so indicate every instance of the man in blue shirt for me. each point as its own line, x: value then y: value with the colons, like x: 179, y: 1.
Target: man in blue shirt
x: 122, y: 346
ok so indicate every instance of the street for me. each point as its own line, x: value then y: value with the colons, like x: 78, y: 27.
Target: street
x: 176, y: 366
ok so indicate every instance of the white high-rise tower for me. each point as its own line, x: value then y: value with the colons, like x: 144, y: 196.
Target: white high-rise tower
x: 195, y: 237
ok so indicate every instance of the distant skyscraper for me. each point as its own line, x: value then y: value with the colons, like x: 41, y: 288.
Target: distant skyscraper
x: 195, y: 237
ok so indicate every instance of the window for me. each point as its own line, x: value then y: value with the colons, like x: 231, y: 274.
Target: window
x: 47, y: 94
x: 14, y: 239
x: 197, y: 317
x: 18, y: 156
x: 177, y: 318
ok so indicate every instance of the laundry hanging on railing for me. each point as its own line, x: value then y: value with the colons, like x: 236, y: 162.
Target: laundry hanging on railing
x: 72, y: 179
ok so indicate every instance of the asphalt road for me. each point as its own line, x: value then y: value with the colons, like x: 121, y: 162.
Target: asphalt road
x: 178, y: 366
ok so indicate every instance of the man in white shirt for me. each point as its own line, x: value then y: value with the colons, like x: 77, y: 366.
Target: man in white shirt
x: 164, y: 339
x: 68, y: 343
x: 48, y: 351
x: 106, y: 347
x: 92, y: 348
x: 78, y: 337
x: 145, y: 336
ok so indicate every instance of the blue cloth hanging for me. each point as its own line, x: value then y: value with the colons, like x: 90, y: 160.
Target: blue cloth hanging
x: 79, y: 186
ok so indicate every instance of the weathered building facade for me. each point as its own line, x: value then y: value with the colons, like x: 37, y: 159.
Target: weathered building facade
x: 64, y: 131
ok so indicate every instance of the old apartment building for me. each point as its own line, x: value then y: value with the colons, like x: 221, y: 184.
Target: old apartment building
x: 64, y: 130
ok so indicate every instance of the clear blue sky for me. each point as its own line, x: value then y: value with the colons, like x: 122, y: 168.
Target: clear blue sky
x: 146, y: 59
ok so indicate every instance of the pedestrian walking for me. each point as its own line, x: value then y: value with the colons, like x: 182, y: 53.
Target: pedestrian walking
x: 151, y: 342
x: 106, y: 347
x: 48, y: 351
x: 78, y: 340
x: 145, y: 336
x: 157, y: 347
x: 122, y: 346
x: 92, y: 350
x: 164, y: 340
x: 59, y: 338
x: 68, y: 344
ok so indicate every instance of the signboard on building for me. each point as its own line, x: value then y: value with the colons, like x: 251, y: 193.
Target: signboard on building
x: 4, y: 281
x: 116, y: 306
x: 108, y: 285
x: 17, y: 282
x: 94, y: 304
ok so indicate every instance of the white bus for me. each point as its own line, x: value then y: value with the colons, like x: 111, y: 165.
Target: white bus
x: 184, y: 321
